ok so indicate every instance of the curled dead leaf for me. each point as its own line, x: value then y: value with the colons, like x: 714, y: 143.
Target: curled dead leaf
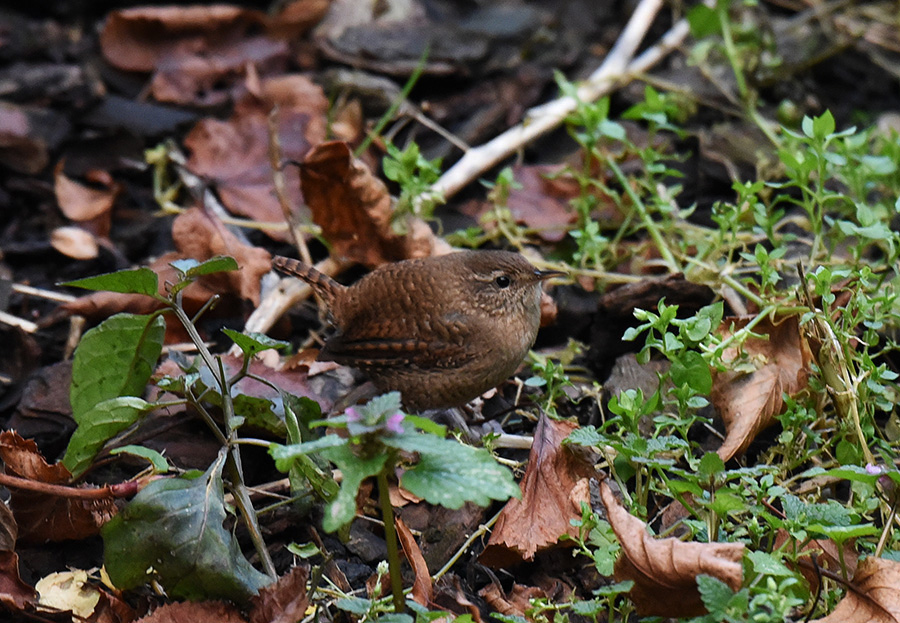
x: 43, y: 517
x: 85, y: 203
x: 422, y: 590
x: 874, y: 596
x: 74, y: 242
x: 196, y: 612
x: 664, y: 571
x: 353, y: 208
x: 750, y: 402
x: 555, y: 484
x: 284, y: 601
x: 14, y: 593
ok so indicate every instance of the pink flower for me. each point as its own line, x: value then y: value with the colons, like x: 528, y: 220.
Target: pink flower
x: 874, y: 470
x: 352, y: 415
x: 395, y: 423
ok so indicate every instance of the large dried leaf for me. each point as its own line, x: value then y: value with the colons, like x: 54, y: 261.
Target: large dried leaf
x: 750, y: 402
x: 874, y: 596
x: 664, y: 571
x: 43, y: 517
x: 234, y: 154
x: 353, y: 208
x: 137, y: 39
x: 555, y: 485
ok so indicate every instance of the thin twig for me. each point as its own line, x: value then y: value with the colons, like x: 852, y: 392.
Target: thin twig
x: 276, y: 160
x: 542, y: 119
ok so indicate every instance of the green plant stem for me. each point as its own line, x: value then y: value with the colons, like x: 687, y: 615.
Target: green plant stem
x: 648, y: 222
x: 395, y: 105
x: 390, y: 537
x: 482, y: 529
x: 233, y: 461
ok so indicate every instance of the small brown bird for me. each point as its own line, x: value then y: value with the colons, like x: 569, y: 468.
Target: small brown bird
x: 440, y: 330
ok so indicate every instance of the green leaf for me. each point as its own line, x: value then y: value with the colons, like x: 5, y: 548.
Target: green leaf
x: 137, y: 281
x: 703, y: 21
x: 715, y: 593
x: 585, y: 436
x: 342, y: 509
x: 767, y: 564
x: 285, y: 455
x: 218, y: 264
x: 450, y: 473
x: 253, y: 343
x: 173, y: 532
x: 99, y: 425
x: 156, y: 459
x: 690, y: 369
x: 711, y: 464
x: 115, y: 358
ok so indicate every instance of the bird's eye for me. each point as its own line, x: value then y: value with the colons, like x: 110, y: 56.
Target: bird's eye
x: 502, y: 281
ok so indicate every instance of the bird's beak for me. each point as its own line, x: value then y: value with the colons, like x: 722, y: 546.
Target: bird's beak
x: 547, y: 274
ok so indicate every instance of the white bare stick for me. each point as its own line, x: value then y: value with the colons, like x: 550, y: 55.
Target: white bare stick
x: 542, y: 119
x: 278, y: 301
x: 26, y: 325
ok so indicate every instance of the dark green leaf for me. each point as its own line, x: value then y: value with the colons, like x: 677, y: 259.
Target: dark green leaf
x: 703, y: 21
x: 138, y: 281
x: 450, y: 473
x: 254, y: 343
x: 99, y: 425
x: 342, y: 509
x: 711, y: 464
x: 115, y: 358
x: 173, y: 532
x: 218, y: 264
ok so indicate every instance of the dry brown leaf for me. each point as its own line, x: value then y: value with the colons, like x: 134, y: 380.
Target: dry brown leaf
x: 285, y: 601
x: 515, y: 603
x: 450, y: 596
x: 195, y: 612
x: 353, y: 208
x: 422, y: 590
x: 84, y: 203
x: 9, y: 530
x: 74, y: 242
x: 298, y: 16
x: 750, y: 402
x: 234, y: 154
x: 555, y: 484
x: 136, y: 39
x: 199, y: 236
x: 874, y: 596
x: 42, y: 517
x: 14, y: 593
x: 665, y: 571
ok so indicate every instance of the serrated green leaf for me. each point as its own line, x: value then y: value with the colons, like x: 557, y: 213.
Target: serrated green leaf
x: 99, y: 425
x: 137, y: 281
x: 173, y: 532
x: 450, y: 473
x: 585, y: 436
x: 156, y: 459
x: 192, y: 268
x: 253, y: 343
x: 115, y: 358
x: 285, y: 455
x: 354, y: 469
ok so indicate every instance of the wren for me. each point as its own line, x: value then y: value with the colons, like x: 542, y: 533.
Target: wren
x: 440, y: 330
